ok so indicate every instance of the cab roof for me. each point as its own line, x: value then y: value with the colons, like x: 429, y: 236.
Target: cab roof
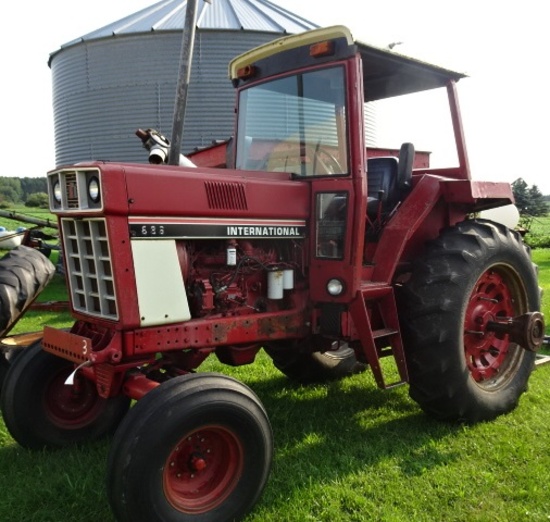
x: 386, y: 73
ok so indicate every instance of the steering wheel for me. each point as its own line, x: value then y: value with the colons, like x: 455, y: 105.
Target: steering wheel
x: 322, y: 157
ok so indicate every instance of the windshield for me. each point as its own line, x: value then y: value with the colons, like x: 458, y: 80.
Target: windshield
x: 295, y: 124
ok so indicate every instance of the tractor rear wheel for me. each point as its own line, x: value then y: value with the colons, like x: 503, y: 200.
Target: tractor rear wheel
x: 196, y: 448
x: 40, y: 410
x: 313, y: 367
x: 459, y: 368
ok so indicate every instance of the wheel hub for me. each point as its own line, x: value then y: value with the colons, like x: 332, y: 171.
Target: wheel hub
x: 203, y: 469
x: 198, y: 463
x: 486, y: 349
x: 527, y: 330
x: 70, y: 406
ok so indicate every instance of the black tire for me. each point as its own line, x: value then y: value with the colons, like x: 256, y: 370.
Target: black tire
x: 6, y: 358
x: 40, y: 411
x: 297, y: 362
x: 24, y: 272
x: 4, y: 367
x: 196, y: 448
x: 458, y: 370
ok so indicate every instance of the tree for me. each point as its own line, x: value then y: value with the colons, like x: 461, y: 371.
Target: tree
x: 32, y: 186
x: 14, y: 190
x: 537, y: 204
x: 529, y: 200
x: 10, y: 190
x: 38, y: 199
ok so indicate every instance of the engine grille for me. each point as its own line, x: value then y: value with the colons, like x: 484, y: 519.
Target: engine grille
x: 71, y: 188
x: 225, y: 196
x: 90, y: 269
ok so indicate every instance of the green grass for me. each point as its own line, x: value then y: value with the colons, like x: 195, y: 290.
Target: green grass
x: 538, y: 235
x: 39, y: 213
x: 344, y: 451
x: 541, y: 256
x: 540, y: 225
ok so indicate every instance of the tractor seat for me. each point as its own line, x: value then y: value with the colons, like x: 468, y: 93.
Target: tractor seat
x: 388, y: 180
x: 381, y: 182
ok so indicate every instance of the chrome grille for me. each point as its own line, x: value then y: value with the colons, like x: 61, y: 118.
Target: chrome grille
x: 91, y: 281
x: 71, y: 189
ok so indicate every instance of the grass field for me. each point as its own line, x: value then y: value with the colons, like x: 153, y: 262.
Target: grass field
x: 344, y: 451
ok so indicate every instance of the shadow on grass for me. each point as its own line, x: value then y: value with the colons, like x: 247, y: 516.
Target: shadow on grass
x: 66, y: 485
x: 328, y: 432
x: 322, y: 433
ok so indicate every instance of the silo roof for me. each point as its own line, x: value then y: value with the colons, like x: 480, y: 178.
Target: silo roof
x: 236, y: 15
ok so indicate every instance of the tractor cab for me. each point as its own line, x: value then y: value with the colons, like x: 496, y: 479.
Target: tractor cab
x: 301, y: 110
x: 301, y: 105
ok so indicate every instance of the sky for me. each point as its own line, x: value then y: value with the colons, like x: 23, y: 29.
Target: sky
x: 500, y: 44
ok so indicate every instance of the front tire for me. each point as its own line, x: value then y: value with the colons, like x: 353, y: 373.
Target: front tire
x: 459, y: 369
x: 196, y: 448
x: 40, y: 411
x: 4, y: 367
x: 6, y: 359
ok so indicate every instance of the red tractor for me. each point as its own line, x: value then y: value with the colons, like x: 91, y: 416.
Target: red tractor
x: 327, y: 257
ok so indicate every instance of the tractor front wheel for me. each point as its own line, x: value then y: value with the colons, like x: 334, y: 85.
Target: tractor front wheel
x: 4, y: 367
x: 6, y: 359
x: 473, y: 276
x: 196, y: 448
x: 40, y: 410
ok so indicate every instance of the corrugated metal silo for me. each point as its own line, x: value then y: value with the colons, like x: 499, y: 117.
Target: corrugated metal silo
x: 123, y: 76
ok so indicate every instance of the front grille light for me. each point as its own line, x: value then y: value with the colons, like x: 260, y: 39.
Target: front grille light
x: 75, y: 189
x: 56, y: 191
x: 93, y: 189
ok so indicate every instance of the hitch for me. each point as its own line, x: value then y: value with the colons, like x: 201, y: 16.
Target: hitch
x: 527, y: 330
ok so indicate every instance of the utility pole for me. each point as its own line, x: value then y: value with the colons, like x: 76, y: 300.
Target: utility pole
x: 184, y: 75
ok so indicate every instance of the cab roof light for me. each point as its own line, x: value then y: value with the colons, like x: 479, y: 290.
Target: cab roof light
x: 248, y: 71
x: 319, y: 49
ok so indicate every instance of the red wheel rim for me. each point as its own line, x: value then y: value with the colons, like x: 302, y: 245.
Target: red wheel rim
x: 486, y: 351
x: 203, y: 469
x: 71, y: 406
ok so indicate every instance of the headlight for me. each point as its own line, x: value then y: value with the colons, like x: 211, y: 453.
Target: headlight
x: 335, y: 287
x: 93, y: 189
x: 57, y: 191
